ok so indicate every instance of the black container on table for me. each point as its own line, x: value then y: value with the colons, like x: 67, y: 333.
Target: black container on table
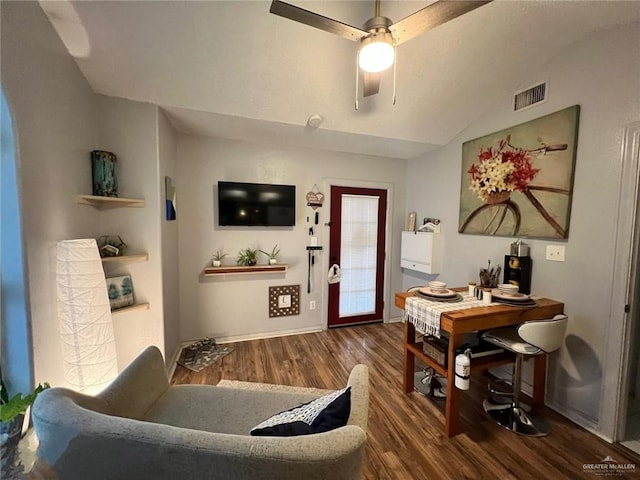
x: 517, y: 271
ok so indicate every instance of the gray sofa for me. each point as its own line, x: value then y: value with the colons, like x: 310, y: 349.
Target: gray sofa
x: 142, y: 428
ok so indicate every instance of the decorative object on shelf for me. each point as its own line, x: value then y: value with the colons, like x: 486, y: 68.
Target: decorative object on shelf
x: 120, y: 291
x: 111, y: 246
x: 430, y: 225
x: 490, y: 277
x: 103, y: 171
x: 273, y: 255
x: 284, y: 301
x: 519, y: 181
x: 218, y: 256
x: 247, y: 257
x: 315, y: 198
x: 170, y: 198
x: 12, y: 413
x: 411, y: 222
x: 200, y: 354
x: 86, y: 328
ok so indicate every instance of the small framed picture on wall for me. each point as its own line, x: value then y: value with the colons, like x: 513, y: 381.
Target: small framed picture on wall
x: 120, y: 291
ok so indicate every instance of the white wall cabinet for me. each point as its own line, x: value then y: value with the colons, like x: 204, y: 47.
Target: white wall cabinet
x: 422, y: 252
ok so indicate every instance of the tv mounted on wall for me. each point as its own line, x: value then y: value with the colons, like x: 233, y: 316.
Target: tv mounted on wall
x: 256, y: 204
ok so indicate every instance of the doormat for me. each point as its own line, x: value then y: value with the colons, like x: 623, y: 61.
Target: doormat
x: 199, y: 355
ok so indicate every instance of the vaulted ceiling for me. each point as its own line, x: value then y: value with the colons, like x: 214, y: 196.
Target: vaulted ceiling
x: 231, y: 69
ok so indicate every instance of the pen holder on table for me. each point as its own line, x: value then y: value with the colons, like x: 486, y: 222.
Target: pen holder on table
x: 490, y: 278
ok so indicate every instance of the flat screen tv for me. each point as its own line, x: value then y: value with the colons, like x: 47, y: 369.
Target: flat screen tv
x: 256, y: 204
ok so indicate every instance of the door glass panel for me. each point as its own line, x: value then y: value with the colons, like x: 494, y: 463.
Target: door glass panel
x: 358, y: 255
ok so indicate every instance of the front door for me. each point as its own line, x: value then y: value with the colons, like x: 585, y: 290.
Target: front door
x: 357, y: 246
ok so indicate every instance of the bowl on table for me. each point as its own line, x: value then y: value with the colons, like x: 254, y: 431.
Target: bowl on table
x: 437, y: 286
x: 508, y: 288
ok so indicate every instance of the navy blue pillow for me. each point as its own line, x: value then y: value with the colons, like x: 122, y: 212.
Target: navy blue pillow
x: 320, y: 415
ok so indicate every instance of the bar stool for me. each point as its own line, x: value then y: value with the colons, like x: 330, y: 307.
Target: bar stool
x: 531, y: 338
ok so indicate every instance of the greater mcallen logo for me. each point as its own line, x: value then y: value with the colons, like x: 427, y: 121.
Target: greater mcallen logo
x: 609, y: 467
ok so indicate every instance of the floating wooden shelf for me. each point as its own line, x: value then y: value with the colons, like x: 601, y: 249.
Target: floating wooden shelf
x: 130, y: 308
x: 109, y: 202
x: 233, y: 270
x: 142, y: 257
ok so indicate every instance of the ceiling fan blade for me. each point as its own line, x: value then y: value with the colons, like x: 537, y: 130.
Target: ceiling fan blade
x: 370, y: 83
x: 431, y: 16
x: 327, y: 24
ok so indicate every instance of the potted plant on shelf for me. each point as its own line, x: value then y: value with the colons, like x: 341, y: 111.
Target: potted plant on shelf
x: 247, y: 257
x: 12, y: 412
x: 218, y: 256
x: 272, y: 255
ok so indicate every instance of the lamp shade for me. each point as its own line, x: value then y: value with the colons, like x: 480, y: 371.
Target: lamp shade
x: 376, y: 53
x: 86, y: 327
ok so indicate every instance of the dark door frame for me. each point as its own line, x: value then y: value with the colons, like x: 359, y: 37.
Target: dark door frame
x: 326, y: 262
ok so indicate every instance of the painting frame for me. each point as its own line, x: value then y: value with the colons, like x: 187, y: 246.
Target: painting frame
x: 170, y: 199
x: 284, y: 310
x: 120, y: 291
x: 518, y: 182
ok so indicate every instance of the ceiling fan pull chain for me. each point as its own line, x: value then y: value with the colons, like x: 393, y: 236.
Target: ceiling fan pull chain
x: 357, y: 80
x: 395, y: 65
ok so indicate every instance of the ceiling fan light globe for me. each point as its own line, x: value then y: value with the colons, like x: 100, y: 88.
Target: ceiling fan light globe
x: 376, y: 57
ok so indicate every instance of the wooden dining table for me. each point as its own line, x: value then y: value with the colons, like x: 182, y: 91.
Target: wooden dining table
x: 457, y: 323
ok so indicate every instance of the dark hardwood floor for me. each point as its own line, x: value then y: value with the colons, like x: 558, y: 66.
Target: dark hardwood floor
x: 406, y: 437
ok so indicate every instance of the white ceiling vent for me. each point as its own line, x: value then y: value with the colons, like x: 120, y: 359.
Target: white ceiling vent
x: 530, y: 96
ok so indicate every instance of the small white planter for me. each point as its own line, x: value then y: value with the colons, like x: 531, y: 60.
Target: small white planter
x: 216, y: 263
x: 273, y: 261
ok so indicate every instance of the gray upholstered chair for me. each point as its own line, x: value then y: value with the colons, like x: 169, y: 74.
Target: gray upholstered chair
x: 140, y: 427
x: 531, y: 338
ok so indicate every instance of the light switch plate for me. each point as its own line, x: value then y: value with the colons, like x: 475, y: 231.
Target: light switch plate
x: 555, y: 253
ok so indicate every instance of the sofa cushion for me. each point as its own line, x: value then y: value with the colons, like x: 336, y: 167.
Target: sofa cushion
x: 221, y: 410
x: 320, y: 415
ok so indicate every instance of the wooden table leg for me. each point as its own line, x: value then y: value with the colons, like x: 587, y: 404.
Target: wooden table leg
x: 539, y: 380
x: 409, y: 359
x: 452, y: 409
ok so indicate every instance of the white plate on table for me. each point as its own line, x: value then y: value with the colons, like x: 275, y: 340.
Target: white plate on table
x: 512, y: 297
x: 446, y: 293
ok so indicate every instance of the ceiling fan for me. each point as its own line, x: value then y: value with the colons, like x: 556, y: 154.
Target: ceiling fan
x: 379, y: 36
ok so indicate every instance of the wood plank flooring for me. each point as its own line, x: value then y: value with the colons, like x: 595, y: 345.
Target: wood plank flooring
x: 406, y: 438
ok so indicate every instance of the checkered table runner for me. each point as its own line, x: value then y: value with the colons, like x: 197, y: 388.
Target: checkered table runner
x: 425, y: 314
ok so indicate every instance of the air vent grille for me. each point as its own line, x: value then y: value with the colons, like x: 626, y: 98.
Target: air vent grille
x: 530, y: 96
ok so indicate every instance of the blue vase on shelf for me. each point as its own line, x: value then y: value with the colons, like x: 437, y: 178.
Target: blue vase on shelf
x: 103, y: 170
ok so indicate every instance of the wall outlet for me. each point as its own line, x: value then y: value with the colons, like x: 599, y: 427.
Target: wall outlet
x: 555, y: 253
x: 312, y: 305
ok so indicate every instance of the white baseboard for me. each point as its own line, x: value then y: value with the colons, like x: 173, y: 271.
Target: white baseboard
x: 394, y: 320
x: 244, y: 338
x: 579, y: 419
x: 171, y: 366
x: 259, y: 336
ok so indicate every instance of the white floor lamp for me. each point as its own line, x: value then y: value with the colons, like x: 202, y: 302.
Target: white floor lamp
x: 84, y: 313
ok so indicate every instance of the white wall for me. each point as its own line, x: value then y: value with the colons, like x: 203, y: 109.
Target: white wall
x: 234, y: 307
x: 601, y: 74
x: 130, y: 130
x: 59, y: 121
x: 55, y: 115
x: 169, y: 229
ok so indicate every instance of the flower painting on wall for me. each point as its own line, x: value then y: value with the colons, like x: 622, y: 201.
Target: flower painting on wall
x: 519, y: 181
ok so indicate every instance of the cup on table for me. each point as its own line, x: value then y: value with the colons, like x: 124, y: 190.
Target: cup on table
x: 472, y: 289
x: 486, y: 295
